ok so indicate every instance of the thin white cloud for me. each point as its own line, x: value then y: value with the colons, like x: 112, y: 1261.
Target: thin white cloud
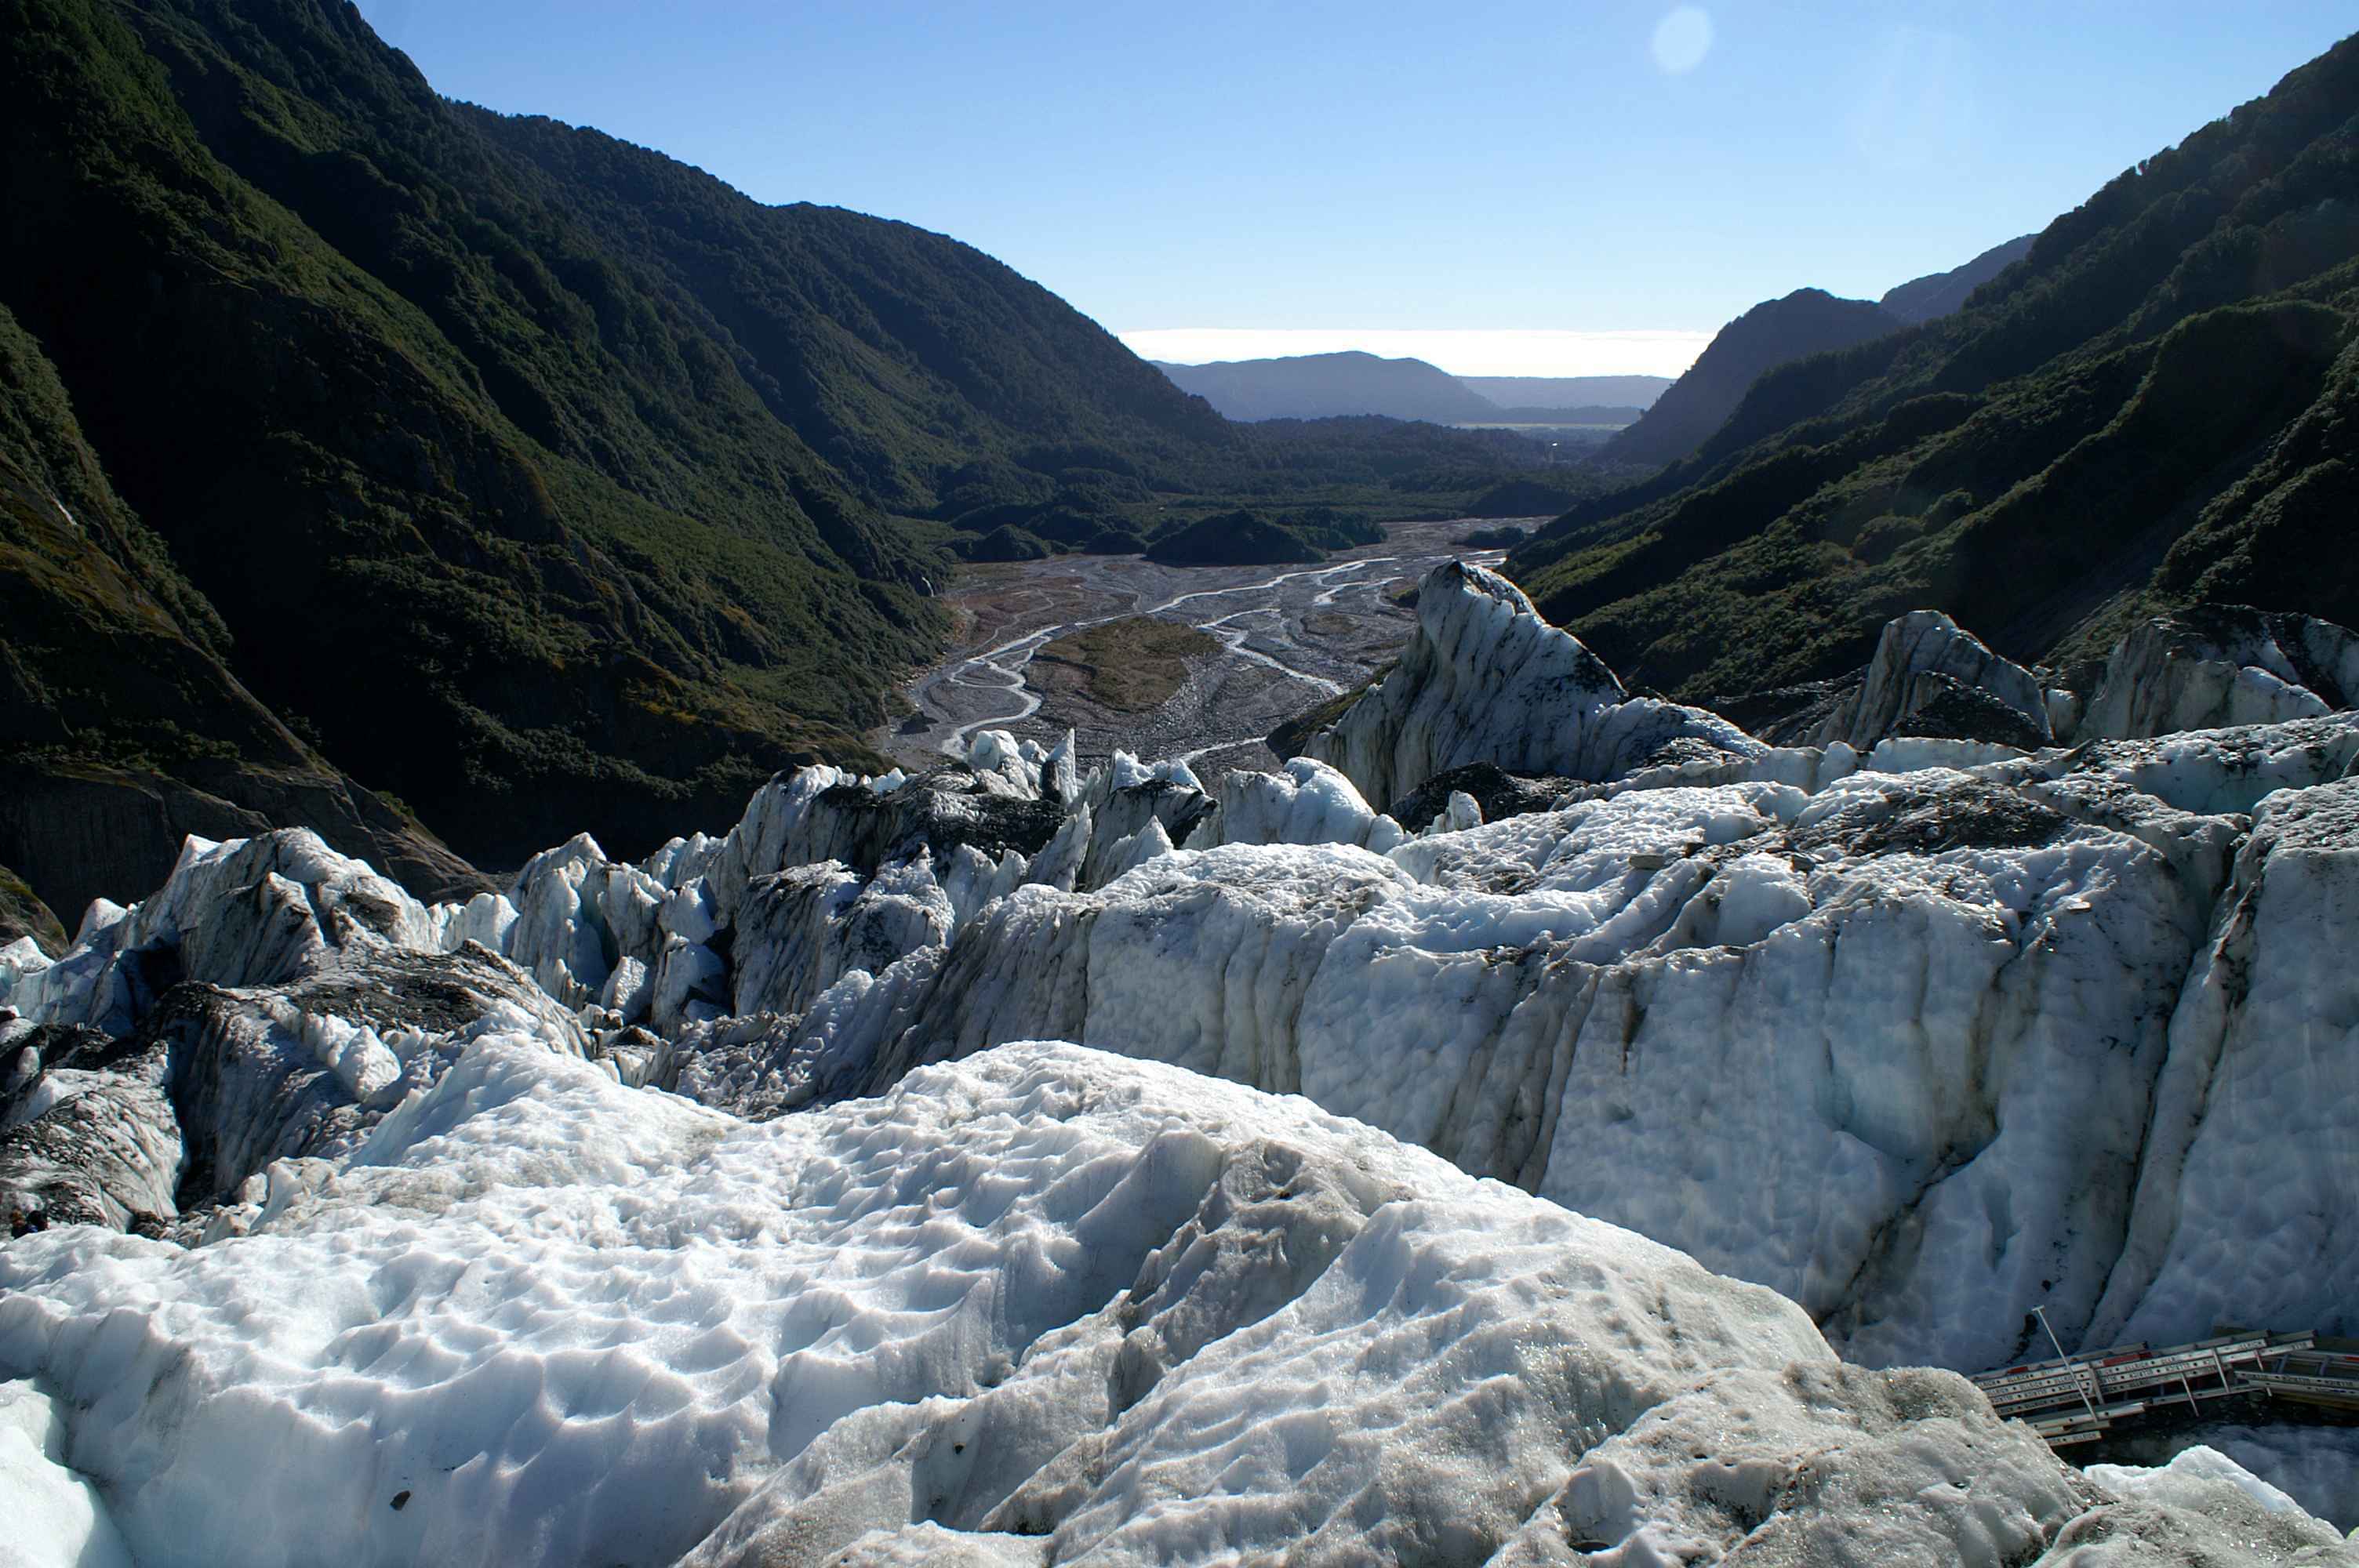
x: 1460, y: 352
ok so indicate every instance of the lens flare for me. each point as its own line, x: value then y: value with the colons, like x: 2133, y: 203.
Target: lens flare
x: 1683, y: 38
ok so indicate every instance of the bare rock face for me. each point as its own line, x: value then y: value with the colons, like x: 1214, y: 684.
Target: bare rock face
x: 2222, y: 665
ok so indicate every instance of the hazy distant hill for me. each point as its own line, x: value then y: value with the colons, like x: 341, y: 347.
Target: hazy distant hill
x: 1939, y: 293
x: 1568, y: 391
x: 1807, y: 321
x: 1615, y: 416
x: 1324, y: 386
x: 1321, y: 386
x: 2157, y: 407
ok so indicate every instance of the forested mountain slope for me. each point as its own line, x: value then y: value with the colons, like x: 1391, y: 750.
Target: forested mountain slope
x: 125, y: 729
x: 1807, y: 321
x: 1937, y: 294
x: 533, y: 476
x: 2153, y: 407
x: 464, y: 486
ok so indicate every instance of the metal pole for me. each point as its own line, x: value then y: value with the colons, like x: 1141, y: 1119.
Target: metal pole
x: 2041, y: 1314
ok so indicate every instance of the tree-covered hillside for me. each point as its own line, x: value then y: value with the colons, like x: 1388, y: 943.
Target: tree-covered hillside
x: 123, y: 729
x: 2154, y: 406
x: 1920, y: 299
x: 1775, y: 333
x: 533, y: 477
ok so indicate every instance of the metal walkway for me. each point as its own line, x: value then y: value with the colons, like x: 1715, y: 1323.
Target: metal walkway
x: 2077, y: 1399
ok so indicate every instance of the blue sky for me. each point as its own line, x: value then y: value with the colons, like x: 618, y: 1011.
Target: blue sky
x: 1504, y: 187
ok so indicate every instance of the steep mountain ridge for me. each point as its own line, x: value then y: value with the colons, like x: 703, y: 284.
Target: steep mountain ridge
x: 1920, y: 299
x: 2161, y: 378
x: 1773, y: 332
x: 128, y: 731
x: 350, y: 463
x: 901, y: 356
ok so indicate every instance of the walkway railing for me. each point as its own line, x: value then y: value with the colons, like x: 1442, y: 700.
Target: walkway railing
x: 2077, y: 1399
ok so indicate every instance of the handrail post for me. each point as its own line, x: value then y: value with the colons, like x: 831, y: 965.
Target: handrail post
x: 2041, y: 1314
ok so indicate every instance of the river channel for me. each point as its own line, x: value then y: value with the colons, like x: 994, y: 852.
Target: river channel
x: 1291, y: 637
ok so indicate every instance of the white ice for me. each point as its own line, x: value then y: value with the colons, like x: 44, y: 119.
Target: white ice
x: 1043, y: 1301
x: 1923, y: 1039
x: 53, y: 1517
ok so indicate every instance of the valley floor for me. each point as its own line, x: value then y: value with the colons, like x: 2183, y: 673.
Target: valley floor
x: 1292, y: 636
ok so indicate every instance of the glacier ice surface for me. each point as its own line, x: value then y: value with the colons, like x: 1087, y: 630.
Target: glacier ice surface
x: 1922, y: 1032
x: 1043, y: 1305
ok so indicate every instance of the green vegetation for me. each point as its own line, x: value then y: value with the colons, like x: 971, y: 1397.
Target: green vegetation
x: 1005, y: 543
x: 1939, y: 293
x: 120, y: 731
x: 1329, y: 528
x: 1357, y: 473
x: 23, y: 915
x: 1246, y: 537
x: 1132, y: 665
x: 1232, y: 539
x: 1775, y: 333
x: 2158, y: 406
x: 529, y: 474
x: 1535, y: 496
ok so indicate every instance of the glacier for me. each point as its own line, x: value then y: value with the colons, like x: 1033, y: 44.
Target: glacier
x: 1046, y: 1305
x: 729, y: 1176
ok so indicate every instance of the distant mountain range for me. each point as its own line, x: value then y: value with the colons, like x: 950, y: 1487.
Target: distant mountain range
x: 1321, y: 386
x: 1325, y: 386
x: 1666, y: 418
